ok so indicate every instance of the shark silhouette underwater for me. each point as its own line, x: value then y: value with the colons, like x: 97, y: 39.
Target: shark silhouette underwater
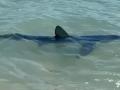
x: 88, y: 43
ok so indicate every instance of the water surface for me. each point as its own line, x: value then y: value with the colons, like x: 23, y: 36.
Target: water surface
x: 26, y: 66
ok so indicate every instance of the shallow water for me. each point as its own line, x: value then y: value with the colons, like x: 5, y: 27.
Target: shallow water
x: 26, y: 66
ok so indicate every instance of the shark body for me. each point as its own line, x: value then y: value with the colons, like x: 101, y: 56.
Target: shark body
x: 88, y: 43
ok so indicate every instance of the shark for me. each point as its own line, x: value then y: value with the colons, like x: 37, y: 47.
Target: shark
x: 87, y: 42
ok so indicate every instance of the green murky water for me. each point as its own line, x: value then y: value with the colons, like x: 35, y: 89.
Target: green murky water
x: 26, y: 66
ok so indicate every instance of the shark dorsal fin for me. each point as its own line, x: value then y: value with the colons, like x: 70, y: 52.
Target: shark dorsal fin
x: 60, y: 32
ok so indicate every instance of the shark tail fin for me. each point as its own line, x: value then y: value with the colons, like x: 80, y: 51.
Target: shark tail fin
x: 60, y: 32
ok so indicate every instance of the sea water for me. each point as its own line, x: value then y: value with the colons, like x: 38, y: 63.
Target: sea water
x: 25, y: 65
